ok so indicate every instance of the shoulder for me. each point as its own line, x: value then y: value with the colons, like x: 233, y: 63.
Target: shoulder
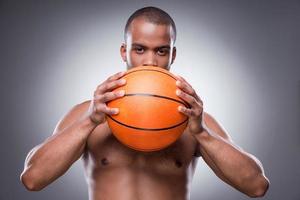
x: 215, y: 126
x: 72, y: 115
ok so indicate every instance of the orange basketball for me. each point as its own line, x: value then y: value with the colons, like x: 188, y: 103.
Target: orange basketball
x: 148, y: 118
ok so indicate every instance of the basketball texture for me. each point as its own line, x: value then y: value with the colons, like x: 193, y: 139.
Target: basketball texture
x: 148, y: 118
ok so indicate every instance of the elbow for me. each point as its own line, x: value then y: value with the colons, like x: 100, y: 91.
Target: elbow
x: 30, y: 183
x: 260, y: 187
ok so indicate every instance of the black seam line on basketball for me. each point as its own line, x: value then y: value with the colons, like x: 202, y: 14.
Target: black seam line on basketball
x: 151, y: 70
x: 158, y: 96
x: 147, y: 129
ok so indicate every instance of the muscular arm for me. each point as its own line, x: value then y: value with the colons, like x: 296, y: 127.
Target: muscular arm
x: 51, y: 159
x: 229, y: 162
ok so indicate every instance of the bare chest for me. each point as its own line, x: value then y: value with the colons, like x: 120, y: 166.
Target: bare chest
x: 104, y: 151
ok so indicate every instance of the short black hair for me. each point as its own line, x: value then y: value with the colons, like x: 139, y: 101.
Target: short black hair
x: 154, y: 15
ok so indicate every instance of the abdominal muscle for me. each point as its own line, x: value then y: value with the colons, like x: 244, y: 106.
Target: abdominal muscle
x: 137, y: 184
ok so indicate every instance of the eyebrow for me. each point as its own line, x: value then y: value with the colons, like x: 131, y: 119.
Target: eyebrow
x: 143, y: 46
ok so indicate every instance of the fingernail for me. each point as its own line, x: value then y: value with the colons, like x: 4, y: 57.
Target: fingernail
x: 115, y: 110
x: 122, y: 81
x: 178, y: 83
x: 178, y: 92
x: 180, y: 108
x: 121, y: 92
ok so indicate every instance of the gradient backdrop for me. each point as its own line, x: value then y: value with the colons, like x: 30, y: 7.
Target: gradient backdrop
x: 241, y: 56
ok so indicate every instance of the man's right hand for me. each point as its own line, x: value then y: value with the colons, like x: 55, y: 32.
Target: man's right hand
x: 98, y: 108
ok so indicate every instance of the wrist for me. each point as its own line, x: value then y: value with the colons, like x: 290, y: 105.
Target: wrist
x: 199, y: 129
x: 87, y: 123
x: 203, y: 136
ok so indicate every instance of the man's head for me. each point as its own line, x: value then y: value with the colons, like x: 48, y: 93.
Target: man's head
x: 149, y: 35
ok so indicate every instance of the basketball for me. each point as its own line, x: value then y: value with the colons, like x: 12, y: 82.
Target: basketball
x: 148, y: 118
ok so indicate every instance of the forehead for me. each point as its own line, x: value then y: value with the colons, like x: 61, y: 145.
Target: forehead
x: 150, y: 34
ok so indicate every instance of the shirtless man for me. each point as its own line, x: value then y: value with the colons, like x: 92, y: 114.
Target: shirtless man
x: 115, y: 171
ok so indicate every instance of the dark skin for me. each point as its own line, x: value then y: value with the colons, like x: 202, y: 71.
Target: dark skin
x: 115, y: 171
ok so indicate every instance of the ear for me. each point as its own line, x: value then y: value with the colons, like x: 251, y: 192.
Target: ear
x: 123, y: 52
x: 173, y: 55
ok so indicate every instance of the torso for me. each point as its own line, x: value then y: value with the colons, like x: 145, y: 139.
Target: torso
x: 114, y: 171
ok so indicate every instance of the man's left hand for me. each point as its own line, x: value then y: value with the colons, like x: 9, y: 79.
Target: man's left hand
x: 195, y: 112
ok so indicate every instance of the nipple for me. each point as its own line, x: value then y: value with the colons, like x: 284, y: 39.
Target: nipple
x: 178, y: 163
x: 104, y: 161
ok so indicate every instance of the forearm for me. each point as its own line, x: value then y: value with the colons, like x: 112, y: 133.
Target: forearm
x: 54, y: 157
x: 238, y: 168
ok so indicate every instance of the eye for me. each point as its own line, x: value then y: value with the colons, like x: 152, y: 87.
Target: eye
x: 139, y: 50
x: 162, y: 52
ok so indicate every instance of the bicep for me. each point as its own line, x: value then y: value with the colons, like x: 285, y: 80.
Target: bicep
x: 216, y: 127
x: 74, y: 114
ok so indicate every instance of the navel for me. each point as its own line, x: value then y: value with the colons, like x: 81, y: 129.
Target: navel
x: 104, y: 161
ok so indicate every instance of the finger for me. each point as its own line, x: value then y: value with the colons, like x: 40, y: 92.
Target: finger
x: 190, y: 112
x: 116, y: 76
x: 180, y: 78
x: 103, y: 108
x: 185, y: 111
x: 187, y: 98
x: 185, y: 87
x: 109, y: 96
x: 109, y: 86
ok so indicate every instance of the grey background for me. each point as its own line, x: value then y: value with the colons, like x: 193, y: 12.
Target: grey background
x: 242, y: 57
